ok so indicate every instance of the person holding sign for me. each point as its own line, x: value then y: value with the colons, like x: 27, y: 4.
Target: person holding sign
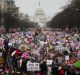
x: 43, y: 67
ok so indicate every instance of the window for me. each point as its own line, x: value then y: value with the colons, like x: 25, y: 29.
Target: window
x: 8, y: 3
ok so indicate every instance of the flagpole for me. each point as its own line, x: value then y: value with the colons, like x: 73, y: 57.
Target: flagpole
x: 39, y: 3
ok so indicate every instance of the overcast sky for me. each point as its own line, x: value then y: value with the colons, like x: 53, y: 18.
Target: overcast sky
x: 51, y: 7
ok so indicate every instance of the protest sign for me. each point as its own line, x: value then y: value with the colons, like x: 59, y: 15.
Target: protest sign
x: 66, y: 57
x: 33, y: 67
x: 49, y: 62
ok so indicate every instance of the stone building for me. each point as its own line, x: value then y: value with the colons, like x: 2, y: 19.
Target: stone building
x: 9, y: 6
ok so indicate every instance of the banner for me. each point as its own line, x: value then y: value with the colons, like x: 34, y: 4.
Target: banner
x: 33, y: 67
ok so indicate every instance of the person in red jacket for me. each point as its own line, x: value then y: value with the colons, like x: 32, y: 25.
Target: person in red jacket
x: 61, y: 71
x: 17, y: 51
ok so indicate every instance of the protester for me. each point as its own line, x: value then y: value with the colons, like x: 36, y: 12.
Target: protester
x: 43, y: 67
x: 38, y: 46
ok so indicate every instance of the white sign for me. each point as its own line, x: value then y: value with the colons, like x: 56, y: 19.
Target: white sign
x: 67, y: 57
x: 33, y: 67
x: 0, y: 54
x: 49, y: 62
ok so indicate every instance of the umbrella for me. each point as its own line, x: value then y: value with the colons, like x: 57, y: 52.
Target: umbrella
x: 77, y: 64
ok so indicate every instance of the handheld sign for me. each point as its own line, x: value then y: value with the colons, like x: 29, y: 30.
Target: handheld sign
x: 33, y: 67
x: 66, y: 57
x: 49, y: 62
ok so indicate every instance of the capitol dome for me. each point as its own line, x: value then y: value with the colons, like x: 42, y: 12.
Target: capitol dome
x: 40, y: 16
x: 39, y: 11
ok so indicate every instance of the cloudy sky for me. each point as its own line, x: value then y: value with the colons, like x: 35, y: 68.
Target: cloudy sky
x: 51, y: 7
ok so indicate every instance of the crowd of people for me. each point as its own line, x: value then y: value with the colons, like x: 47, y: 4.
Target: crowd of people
x: 40, y: 45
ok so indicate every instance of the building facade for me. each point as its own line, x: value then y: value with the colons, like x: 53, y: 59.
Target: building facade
x: 9, y: 7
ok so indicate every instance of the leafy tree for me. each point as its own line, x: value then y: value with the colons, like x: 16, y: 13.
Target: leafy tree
x: 69, y: 17
x: 11, y: 21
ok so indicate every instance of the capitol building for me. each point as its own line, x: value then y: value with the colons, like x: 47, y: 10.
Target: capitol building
x: 40, y: 17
